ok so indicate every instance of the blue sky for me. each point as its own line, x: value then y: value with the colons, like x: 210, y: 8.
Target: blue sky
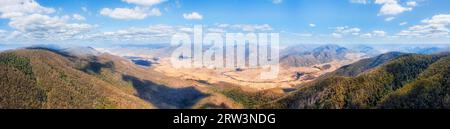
x: 154, y: 21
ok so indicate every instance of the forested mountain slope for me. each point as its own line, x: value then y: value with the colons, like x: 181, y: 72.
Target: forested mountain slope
x: 409, y: 81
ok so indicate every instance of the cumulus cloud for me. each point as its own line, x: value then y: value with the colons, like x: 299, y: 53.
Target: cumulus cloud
x: 438, y: 19
x: 144, y: 2
x: 437, y: 26
x: 341, y: 31
x: 347, y: 30
x: 43, y: 27
x: 312, y: 25
x: 411, y: 3
x: 379, y: 33
x: 391, y: 7
x: 374, y: 34
x: 18, y: 8
x: 136, y: 13
x: 163, y: 33
x: 344, y: 31
x: 192, y: 16
x: 78, y: 17
x: 31, y: 21
x: 141, y: 11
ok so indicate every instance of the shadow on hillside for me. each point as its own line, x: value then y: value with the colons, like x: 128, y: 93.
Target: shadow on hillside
x: 165, y: 97
x: 96, y: 67
x: 51, y: 50
x: 288, y: 90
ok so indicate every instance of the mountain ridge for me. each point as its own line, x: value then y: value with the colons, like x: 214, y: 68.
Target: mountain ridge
x: 39, y: 77
x: 319, y: 55
x: 369, y: 89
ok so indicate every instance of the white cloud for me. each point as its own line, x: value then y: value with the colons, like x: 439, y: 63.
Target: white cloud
x: 347, y: 30
x: 186, y: 29
x: 379, y: 33
x: 312, y: 25
x: 18, y: 8
x: 438, y: 19
x: 336, y: 35
x: 192, y: 16
x: 153, y: 33
x: 43, y: 27
x: 242, y: 27
x: 136, y: 13
x: 144, y: 2
x: 30, y: 22
x: 163, y: 33
x: 360, y: 1
x: 141, y: 11
x: 403, y: 23
x: 367, y: 35
x: 411, y: 3
x: 437, y: 26
x: 252, y: 28
x: 389, y: 19
x: 374, y: 34
x: 277, y: 1
x: 391, y: 7
x: 78, y: 17
x: 428, y: 30
x: 340, y: 32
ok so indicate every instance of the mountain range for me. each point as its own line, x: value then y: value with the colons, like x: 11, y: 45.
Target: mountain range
x: 48, y: 78
x: 83, y: 77
x: 319, y: 55
x: 390, y: 81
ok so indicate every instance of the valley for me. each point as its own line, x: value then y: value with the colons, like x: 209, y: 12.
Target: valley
x: 290, y: 75
x: 88, y: 77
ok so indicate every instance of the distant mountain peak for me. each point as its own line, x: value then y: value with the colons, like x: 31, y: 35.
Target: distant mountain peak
x: 81, y: 51
x: 318, y: 55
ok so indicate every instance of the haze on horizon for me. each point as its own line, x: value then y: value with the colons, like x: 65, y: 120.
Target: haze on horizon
x: 92, y: 23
